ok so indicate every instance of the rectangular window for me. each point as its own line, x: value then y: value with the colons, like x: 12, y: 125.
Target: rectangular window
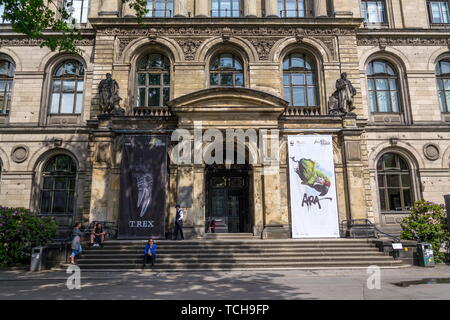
x: 160, y: 8
x: 225, y: 8
x: 78, y: 10
x: 438, y: 11
x: 2, y: 10
x: 292, y: 8
x: 373, y: 12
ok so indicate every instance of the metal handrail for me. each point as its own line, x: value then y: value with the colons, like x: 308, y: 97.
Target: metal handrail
x: 369, y: 223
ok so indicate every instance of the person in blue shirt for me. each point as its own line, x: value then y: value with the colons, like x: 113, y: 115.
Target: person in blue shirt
x: 150, y: 252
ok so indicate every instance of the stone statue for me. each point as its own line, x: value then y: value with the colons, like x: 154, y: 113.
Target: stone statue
x: 341, y: 101
x: 108, y: 91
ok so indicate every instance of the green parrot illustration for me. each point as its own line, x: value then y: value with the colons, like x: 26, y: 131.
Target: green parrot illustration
x: 311, y: 176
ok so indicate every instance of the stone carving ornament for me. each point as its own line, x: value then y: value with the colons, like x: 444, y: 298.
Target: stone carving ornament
x: 431, y: 151
x: 19, y: 153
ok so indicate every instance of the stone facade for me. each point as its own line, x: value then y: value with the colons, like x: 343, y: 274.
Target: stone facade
x: 334, y: 36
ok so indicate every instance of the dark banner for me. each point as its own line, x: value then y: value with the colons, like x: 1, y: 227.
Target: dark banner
x: 143, y: 187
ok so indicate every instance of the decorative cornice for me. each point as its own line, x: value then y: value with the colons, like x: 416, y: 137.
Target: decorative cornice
x: 395, y: 40
x: 27, y: 42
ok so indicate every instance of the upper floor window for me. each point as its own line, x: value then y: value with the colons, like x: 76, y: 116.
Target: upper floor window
x: 292, y: 8
x: 7, y: 70
x: 394, y: 183
x: 78, y: 10
x: 58, y: 186
x: 299, y: 80
x: 2, y: 11
x: 443, y: 80
x: 383, y: 87
x: 373, y: 11
x: 438, y: 11
x: 153, y: 81
x: 160, y: 8
x: 225, y: 8
x: 67, y: 88
x: 226, y: 70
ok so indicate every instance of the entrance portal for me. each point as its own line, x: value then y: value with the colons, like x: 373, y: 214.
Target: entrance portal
x: 227, y: 196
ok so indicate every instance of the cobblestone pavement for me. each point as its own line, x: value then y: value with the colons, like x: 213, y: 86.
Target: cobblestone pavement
x: 215, y: 285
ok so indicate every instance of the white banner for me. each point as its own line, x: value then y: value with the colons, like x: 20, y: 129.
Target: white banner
x: 312, y: 187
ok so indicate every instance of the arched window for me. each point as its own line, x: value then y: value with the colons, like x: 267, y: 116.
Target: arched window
x: 293, y: 8
x: 7, y: 70
x: 153, y: 81
x: 225, y: 8
x: 78, y: 10
x: 394, y: 183
x: 383, y: 87
x: 225, y: 70
x: 300, y: 80
x: 67, y: 88
x: 159, y: 8
x: 443, y: 81
x: 58, y: 187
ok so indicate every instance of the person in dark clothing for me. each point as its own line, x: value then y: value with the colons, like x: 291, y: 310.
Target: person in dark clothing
x: 150, y: 253
x: 178, y: 223
x: 97, y: 235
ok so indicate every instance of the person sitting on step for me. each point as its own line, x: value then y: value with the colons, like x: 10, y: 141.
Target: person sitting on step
x: 97, y: 236
x: 150, y: 253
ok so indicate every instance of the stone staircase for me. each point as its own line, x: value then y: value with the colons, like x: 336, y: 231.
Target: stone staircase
x: 241, y: 253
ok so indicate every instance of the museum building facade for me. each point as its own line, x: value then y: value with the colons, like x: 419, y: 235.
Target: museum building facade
x: 261, y: 65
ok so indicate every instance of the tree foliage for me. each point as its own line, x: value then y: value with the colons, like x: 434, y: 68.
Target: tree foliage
x: 51, y: 21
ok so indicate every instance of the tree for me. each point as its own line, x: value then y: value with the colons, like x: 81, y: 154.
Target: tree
x: 51, y: 22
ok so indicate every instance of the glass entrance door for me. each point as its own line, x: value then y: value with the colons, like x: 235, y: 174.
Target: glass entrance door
x: 227, y: 200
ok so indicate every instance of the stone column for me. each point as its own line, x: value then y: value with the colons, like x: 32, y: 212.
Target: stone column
x: 358, y: 196
x: 250, y: 8
x: 180, y: 8
x: 320, y: 8
x: 258, y: 221
x: 202, y: 8
x: 272, y: 8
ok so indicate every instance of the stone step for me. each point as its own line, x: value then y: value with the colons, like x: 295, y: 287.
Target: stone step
x: 233, y: 255
x: 255, y: 265
x: 167, y: 260
x: 246, y: 246
x: 241, y: 241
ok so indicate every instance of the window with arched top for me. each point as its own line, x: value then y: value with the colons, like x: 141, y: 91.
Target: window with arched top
x: 67, y: 88
x: 443, y: 82
x: 300, y: 80
x: 78, y: 10
x: 394, y: 183
x: 7, y: 70
x: 58, y: 186
x: 153, y: 81
x: 383, y: 89
x: 159, y: 8
x: 226, y: 70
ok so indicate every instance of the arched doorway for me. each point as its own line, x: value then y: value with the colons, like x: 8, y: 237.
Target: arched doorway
x: 228, y: 198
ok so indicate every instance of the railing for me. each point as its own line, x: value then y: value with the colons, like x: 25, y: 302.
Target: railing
x: 225, y: 13
x: 152, y: 112
x: 159, y: 13
x: 292, y: 111
x: 367, y: 227
x: 296, y: 13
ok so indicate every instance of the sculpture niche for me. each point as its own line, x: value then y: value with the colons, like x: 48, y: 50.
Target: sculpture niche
x: 341, y: 101
x: 108, y: 91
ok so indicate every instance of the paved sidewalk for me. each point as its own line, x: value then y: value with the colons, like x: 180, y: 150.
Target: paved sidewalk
x: 301, y: 284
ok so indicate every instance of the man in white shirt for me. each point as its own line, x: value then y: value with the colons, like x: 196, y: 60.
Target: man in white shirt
x: 178, y: 222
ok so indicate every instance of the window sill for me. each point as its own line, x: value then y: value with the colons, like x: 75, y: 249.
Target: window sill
x: 376, y: 25
x: 440, y: 25
x: 395, y: 212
